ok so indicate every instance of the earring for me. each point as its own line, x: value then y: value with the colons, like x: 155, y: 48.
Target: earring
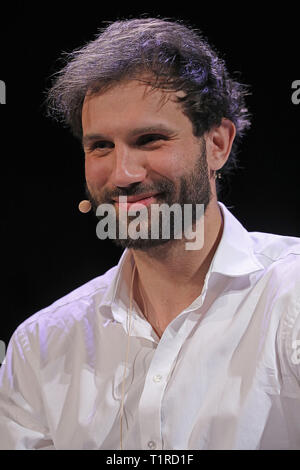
x: 218, y: 175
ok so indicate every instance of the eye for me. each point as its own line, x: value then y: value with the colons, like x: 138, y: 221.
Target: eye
x: 101, y: 144
x: 149, y: 138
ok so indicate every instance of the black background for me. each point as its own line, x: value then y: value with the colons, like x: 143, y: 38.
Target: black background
x: 47, y: 247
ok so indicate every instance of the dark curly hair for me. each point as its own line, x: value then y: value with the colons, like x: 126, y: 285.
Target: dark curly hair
x: 176, y: 57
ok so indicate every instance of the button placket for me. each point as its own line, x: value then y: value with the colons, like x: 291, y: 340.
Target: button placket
x: 150, y: 405
x: 157, y: 378
x: 152, y: 445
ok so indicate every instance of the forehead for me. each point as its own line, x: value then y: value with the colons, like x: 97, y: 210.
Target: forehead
x: 128, y: 104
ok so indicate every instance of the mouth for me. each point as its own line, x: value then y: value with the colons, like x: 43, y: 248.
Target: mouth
x: 131, y: 201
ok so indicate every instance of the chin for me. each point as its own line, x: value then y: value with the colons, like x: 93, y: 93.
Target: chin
x: 142, y: 244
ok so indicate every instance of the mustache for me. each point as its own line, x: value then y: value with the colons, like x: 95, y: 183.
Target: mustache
x: 133, y: 190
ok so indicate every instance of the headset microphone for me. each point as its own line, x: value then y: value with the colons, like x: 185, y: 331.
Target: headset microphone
x: 85, y: 206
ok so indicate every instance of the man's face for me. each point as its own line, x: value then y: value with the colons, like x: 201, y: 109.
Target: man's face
x: 138, y: 143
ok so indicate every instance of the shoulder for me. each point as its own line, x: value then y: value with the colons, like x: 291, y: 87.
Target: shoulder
x: 280, y: 256
x: 64, y: 327
x: 275, y: 247
x: 65, y: 313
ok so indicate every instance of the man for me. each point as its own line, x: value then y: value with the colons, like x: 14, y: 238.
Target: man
x: 174, y: 348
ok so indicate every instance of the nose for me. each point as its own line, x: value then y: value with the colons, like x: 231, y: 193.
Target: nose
x: 129, y: 166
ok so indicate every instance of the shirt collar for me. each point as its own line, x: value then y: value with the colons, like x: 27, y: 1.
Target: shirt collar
x: 116, y: 297
x: 234, y: 257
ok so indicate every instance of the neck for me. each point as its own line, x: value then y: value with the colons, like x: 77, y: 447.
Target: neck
x: 169, y: 277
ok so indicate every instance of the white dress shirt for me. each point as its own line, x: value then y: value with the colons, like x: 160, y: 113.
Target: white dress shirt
x: 224, y: 375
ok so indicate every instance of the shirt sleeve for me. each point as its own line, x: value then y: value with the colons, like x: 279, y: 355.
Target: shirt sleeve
x: 289, y: 356
x: 23, y: 423
x: 294, y: 343
x: 290, y: 340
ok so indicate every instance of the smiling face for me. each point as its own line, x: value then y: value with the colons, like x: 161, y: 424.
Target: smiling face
x: 139, y: 144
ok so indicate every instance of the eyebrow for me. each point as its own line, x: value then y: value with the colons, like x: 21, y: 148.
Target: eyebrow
x: 88, y: 138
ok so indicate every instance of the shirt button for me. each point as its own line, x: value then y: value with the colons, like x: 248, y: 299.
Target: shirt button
x: 157, y: 378
x: 152, y: 445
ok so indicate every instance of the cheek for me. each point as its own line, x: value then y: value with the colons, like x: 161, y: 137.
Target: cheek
x: 96, y: 172
x: 172, y: 167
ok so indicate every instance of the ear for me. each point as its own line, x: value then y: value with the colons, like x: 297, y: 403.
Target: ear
x: 218, y: 144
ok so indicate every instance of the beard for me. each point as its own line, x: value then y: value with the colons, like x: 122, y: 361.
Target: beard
x: 193, y: 188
